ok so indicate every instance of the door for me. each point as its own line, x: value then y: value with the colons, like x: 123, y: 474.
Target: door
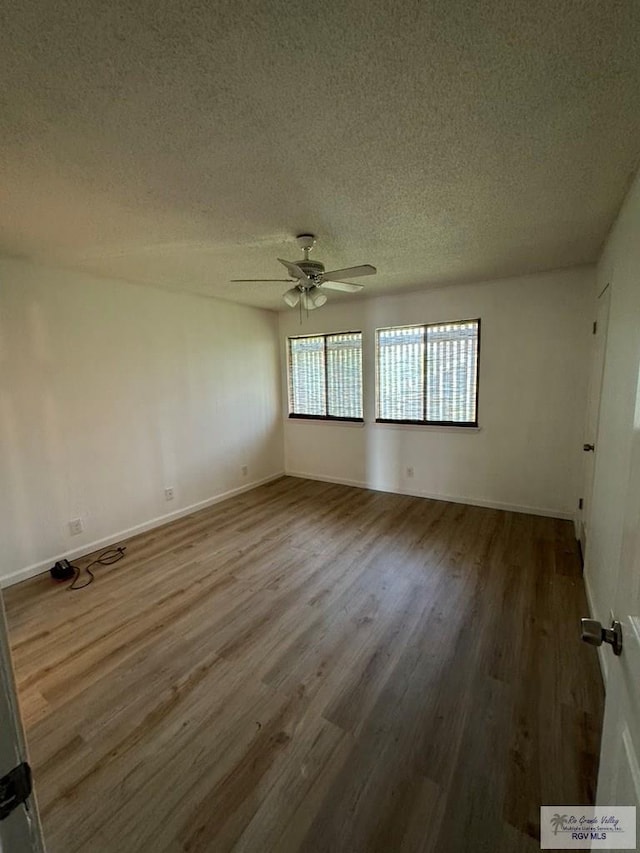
x: 20, y: 831
x: 619, y: 776
x: 593, y: 412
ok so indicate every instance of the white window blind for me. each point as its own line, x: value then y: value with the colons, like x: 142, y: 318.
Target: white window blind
x: 307, y: 386
x: 429, y: 374
x: 325, y: 376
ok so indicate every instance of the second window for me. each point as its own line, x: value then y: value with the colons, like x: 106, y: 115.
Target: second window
x: 428, y: 374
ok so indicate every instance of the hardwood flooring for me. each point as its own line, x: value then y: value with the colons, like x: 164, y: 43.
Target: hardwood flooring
x: 311, y: 667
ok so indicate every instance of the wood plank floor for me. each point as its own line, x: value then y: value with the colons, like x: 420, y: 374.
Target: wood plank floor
x: 311, y: 667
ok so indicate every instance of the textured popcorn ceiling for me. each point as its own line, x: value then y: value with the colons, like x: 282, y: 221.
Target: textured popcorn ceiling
x: 185, y: 143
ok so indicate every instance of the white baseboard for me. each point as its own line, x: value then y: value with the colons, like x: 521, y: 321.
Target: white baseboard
x: 90, y: 547
x: 459, y: 499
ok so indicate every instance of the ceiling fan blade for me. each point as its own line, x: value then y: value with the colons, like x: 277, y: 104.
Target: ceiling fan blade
x: 282, y: 280
x: 349, y: 272
x: 294, y: 269
x: 344, y: 286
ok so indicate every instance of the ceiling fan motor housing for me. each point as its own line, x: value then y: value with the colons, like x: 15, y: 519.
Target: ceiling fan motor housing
x: 311, y: 268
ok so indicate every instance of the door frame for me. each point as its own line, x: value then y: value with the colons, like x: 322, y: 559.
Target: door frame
x: 596, y: 379
x: 21, y: 830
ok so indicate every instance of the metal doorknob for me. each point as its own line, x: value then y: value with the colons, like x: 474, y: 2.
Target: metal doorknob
x: 588, y: 447
x: 594, y: 634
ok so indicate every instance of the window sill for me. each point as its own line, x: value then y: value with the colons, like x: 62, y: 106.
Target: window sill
x: 325, y: 422
x: 361, y: 424
x: 428, y: 427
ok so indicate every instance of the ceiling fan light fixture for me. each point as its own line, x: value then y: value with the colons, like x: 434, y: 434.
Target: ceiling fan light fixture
x: 313, y: 299
x: 292, y: 297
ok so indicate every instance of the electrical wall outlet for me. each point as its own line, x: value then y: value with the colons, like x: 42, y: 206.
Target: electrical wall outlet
x: 168, y: 493
x: 409, y: 471
x: 76, y: 526
x: 244, y: 470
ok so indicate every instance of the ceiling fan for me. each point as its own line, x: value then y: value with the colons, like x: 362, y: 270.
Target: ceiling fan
x: 310, y: 279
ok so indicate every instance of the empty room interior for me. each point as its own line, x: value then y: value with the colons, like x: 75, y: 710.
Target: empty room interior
x: 319, y: 424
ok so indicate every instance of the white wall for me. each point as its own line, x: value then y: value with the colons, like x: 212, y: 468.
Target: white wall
x: 532, y: 396
x: 109, y: 392
x: 620, y: 267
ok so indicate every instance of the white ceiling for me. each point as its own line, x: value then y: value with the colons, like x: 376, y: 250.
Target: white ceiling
x: 184, y: 143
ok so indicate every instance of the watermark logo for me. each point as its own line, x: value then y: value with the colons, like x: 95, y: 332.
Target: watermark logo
x: 588, y: 827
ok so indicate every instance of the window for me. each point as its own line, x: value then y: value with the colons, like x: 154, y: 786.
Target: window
x: 325, y: 377
x: 428, y: 374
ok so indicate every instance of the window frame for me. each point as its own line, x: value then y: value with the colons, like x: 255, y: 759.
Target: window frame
x: 326, y: 417
x: 424, y: 422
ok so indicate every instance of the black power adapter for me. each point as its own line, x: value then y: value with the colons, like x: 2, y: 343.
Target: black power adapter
x: 62, y: 571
